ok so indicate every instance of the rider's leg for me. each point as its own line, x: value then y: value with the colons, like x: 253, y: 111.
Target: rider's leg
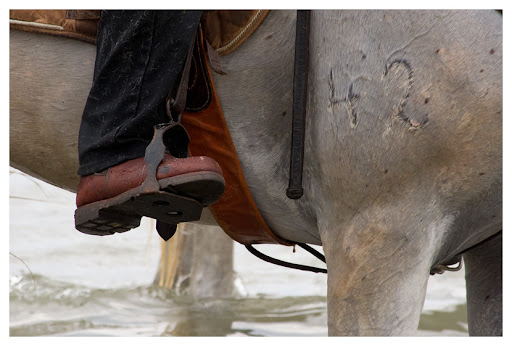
x: 139, y: 57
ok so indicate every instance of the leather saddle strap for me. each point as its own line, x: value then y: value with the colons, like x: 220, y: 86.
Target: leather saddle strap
x: 300, y: 87
x: 175, y: 105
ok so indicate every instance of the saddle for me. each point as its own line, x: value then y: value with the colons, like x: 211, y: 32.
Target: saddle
x: 224, y: 30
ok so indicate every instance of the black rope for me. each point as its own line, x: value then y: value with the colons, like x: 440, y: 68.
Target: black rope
x: 312, y: 251
x: 321, y: 257
x: 288, y: 264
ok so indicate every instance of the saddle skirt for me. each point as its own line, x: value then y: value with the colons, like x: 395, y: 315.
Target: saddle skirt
x: 225, y: 30
x: 235, y: 212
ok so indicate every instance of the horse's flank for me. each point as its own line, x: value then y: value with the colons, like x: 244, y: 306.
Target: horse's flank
x: 403, y: 161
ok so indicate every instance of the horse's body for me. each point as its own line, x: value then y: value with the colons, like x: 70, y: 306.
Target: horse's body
x: 403, y: 161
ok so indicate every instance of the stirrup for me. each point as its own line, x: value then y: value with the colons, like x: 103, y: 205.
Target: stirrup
x: 123, y: 212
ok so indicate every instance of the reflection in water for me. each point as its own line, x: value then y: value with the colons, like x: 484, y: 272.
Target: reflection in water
x: 59, y: 308
x: 226, y: 317
x: 446, y: 320
x: 200, y: 327
x: 62, y: 309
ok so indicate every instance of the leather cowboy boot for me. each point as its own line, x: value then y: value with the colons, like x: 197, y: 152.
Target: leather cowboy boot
x: 114, y: 200
x: 165, y: 185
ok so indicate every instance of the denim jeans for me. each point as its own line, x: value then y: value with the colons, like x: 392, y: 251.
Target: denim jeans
x: 139, y: 57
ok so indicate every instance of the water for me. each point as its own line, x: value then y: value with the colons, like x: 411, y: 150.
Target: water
x: 64, y: 283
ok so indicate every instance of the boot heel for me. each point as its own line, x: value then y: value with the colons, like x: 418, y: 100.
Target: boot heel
x: 96, y: 221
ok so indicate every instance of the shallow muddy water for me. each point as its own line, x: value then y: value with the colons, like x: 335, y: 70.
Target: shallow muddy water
x: 64, y: 283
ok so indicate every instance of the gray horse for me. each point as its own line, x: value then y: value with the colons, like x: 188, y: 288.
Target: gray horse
x: 403, y: 160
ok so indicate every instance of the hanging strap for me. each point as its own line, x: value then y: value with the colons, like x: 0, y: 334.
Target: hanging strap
x: 175, y: 104
x: 300, y: 88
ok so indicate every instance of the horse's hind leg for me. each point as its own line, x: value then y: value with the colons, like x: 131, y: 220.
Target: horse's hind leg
x: 484, y: 288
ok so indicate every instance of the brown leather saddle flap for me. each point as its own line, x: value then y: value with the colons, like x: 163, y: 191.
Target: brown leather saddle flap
x: 236, y: 212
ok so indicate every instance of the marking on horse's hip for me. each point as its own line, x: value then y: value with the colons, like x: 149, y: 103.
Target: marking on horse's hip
x: 349, y: 100
x: 398, y: 77
x: 402, y: 69
x: 399, y: 67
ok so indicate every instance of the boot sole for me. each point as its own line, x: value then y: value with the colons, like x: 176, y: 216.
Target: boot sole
x: 180, y: 199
